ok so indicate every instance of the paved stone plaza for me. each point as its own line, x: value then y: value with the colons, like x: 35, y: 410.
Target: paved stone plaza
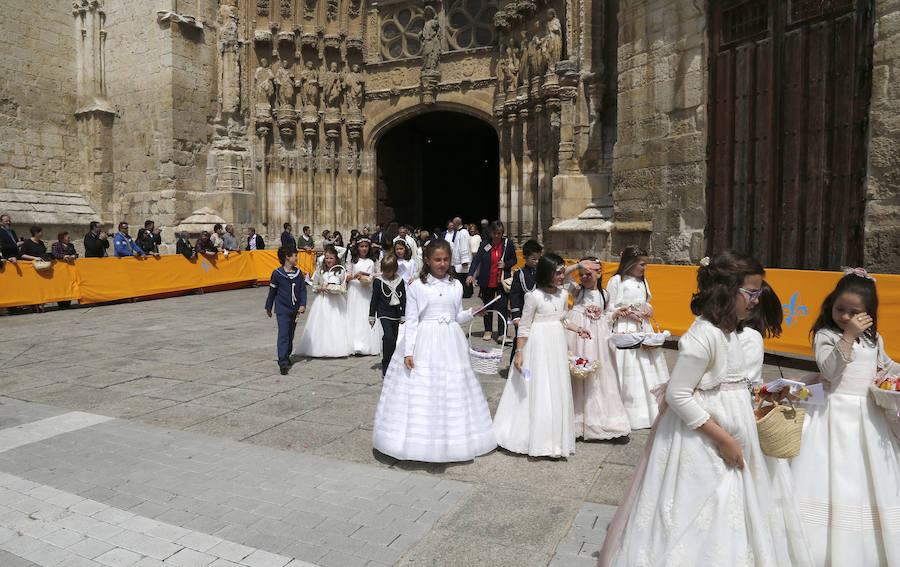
x: 159, y: 433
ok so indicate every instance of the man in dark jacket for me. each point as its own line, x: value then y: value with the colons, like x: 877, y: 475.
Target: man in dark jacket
x: 9, y: 242
x: 95, y: 242
x: 184, y: 247
x: 255, y: 241
x: 287, y: 239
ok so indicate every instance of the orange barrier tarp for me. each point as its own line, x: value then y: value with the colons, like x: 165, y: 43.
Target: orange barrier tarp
x: 21, y: 284
x: 108, y: 279
x: 91, y: 280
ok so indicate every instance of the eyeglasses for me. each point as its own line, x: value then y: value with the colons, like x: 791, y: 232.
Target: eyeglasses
x: 752, y: 295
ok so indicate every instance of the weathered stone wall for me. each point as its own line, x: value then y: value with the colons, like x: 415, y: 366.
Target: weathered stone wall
x: 659, y: 162
x: 882, y: 228
x: 38, y: 149
x: 160, y: 83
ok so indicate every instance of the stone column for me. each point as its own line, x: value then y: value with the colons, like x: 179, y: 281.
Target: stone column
x: 94, y: 115
x: 526, y: 203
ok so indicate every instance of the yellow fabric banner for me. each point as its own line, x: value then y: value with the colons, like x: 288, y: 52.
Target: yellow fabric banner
x: 108, y: 279
x: 21, y: 284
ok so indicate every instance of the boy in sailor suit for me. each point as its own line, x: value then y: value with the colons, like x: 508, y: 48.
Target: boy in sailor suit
x: 388, y: 305
x: 287, y: 293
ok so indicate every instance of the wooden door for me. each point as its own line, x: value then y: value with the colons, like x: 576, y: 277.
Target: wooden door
x: 790, y: 84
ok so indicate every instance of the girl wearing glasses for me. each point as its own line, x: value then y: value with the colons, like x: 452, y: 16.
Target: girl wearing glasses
x: 640, y: 370
x: 702, y: 493
x: 848, y: 471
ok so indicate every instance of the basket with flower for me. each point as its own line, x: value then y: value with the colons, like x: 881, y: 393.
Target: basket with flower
x: 581, y: 367
x: 593, y: 312
x: 886, y: 392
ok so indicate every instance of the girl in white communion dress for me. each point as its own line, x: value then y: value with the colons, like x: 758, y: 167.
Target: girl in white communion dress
x: 432, y: 408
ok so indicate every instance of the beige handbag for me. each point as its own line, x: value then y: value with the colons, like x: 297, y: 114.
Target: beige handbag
x: 42, y: 265
x: 780, y: 429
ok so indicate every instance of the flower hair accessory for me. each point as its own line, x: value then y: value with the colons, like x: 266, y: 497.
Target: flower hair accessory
x: 704, y: 261
x: 861, y: 272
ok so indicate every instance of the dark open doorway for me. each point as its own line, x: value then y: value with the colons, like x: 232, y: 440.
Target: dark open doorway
x: 435, y: 166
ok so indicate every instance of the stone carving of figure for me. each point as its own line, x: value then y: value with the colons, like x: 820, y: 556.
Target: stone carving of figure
x: 356, y: 88
x: 512, y: 67
x: 284, y: 80
x: 229, y: 60
x: 332, y: 86
x: 431, y: 40
x: 310, y: 9
x: 536, y: 53
x: 502, y: 74
x: 265, y: 87
x: 523, y: 57
x: 309, y: 86
x: 553, y: 42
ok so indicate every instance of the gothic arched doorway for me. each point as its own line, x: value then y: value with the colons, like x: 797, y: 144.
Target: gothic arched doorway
x: 437, y: 165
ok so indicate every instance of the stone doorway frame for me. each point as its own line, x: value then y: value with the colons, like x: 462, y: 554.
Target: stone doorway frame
x: 395, y: 119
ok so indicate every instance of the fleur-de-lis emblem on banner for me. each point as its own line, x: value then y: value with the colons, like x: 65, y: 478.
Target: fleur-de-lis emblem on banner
x: 793, y: 310
x: 206, y: 266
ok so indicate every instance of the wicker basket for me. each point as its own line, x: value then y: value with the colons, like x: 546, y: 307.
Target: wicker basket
x: 656, y: 338
x: 336, y: 272
x: 889, y: 401
x: 624, y: 340
x: 581, y: 372
x: 780, y: 429
x: 487, y: 361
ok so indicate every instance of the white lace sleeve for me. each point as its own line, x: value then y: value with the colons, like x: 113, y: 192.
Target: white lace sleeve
x: 694, y: 357
x: 412, y: 316
x: 528, y: 312
x: 830, y: 356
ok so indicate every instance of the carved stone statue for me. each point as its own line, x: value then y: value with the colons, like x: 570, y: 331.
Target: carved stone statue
x: 265, y: 87
x: 309, y: 86
x: 431, y: 40
x: 502, y: 74
x: 536, y: 53
x: 284, y: 80
x: 512, y: 67
x: 356, y: 88
x: 332, y: 86
x: 553, y: 42
x: 523, y: 57
x: 229, y: 92
x: 310, y: 9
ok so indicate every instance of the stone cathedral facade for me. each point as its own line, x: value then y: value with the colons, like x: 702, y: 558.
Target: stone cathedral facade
x: 612, y: 121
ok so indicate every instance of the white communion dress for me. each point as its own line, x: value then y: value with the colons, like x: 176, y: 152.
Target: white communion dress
x: 599, y: 412
x: 690, y: 507
x: 364, y: 338
x: 436, y: 412
x: 407, y: 269
x: 325, y: 332
x: 639, y: 370
x: 536, y: 415
x: 847, y: 474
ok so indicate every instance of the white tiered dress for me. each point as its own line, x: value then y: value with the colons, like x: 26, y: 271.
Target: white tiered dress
x: 690, y: 508
x: 536, y: 416
x: 599, y: 412
x: 847, y: 475
x: 639, y: 370
x: 436, y: 412
x: 364, y: 339
x: 325, y: 331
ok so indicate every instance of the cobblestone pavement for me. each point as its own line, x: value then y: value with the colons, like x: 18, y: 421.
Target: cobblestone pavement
x: 159, y: 433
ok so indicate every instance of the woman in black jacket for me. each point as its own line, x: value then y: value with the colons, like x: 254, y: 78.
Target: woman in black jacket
x: 492, y: 264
